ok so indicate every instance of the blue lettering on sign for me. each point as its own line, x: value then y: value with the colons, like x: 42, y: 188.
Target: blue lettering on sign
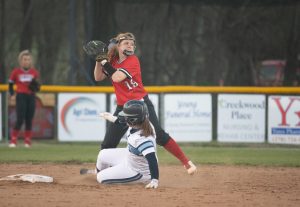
x: 178, y: 114
x: 85, y: 112
x: 187, y: 109
x: 77, y: 112
x: 290, y: 131
x: 192, y: 105
x: 187, y: 114
x: 90, y: 112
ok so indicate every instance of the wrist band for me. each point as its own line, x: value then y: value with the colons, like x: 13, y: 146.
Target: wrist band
x: 109, y: 69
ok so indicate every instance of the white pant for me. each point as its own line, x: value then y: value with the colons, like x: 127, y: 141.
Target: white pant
x: 114, y: 168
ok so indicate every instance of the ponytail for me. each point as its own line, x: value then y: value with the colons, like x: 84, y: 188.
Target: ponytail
x: 147, y: 129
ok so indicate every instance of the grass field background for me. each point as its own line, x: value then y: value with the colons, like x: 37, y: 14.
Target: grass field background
x: 205, y: 153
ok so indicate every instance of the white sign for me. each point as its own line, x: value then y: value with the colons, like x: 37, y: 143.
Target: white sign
x: 152, y: 97
x: 241, y: 118
x: 188, y: 117
x: 284, y: 119
x: 78, y: 116
x: 1, y: 116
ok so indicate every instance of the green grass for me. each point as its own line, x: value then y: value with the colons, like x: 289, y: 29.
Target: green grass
x: 209, y: 153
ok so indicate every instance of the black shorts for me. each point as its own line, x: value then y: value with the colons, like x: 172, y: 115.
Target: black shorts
x: 114, y: 132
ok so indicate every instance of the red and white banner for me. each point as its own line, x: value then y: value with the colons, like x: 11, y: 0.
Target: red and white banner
x: 284, y: 119
x: 42, y: 123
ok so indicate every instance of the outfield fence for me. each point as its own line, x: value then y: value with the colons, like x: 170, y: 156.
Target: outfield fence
x: 188, y: 113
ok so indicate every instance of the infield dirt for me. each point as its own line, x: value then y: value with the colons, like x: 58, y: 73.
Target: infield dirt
x: 211, y: 186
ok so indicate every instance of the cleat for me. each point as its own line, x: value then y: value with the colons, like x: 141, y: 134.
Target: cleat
x: 84, y: 171
x: 191, y: 168
x: 12, y: 145
x: 27, y: 145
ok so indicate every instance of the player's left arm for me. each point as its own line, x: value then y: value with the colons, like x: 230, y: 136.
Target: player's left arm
x: 153, y: 167
x: 148, y: 150
x: 38, y: 77
x: 35, y: 84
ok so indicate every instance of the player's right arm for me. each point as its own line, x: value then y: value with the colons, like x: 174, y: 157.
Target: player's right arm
x: 99, y: 75
x: 11, y: 88
x: 11, y: 83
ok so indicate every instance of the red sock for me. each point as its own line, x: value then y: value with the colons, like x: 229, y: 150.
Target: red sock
x: 172, y: 147
x: 14, y: 136
x: 28, y: 135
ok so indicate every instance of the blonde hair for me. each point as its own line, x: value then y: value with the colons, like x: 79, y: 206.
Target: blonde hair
x: 113, y: 52
x: 24, y: 53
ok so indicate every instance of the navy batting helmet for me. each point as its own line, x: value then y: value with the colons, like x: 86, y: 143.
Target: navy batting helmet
x: 134, y: 112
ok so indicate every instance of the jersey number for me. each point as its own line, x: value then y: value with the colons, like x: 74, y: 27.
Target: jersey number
x: 132, y: 84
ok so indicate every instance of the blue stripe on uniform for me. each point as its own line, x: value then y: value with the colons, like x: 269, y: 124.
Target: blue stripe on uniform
x: 134, y: 150
x: 123, y: 180
x: 145, y: 146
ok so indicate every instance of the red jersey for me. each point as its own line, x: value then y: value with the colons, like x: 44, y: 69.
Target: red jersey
x: 131, y: 88
x: 22, y: 78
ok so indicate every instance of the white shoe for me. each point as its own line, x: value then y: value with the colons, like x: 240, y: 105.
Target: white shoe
x: 27, y: 145
x: 12, y: 145
x: 192, y: 168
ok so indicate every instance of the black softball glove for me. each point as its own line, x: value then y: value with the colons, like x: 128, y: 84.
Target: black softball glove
x: 96, y: 50
x: 34, y: 86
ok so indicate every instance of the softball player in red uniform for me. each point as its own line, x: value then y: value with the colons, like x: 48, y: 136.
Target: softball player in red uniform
x: 123, y: 68
x: 138, y: 162
x: 25, y: 99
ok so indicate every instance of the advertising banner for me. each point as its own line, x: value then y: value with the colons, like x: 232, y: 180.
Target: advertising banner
x: 241, y: 118
x: 78, y: 116
x: 284, y: 119
x: 43, y: 120
x: 188, y: 117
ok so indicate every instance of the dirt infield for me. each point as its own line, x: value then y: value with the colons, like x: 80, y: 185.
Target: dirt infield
x: 211, y: 186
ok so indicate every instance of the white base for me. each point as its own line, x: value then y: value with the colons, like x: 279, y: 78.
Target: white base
x: 29, y: 178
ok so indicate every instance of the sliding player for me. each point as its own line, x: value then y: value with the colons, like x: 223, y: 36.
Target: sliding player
x: 138, y: 162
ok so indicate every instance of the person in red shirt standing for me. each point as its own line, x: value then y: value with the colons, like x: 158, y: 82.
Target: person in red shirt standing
x: 123, y: 69
x: 25, y: 77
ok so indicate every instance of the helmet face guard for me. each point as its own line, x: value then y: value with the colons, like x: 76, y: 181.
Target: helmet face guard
x: 133, y: 113
x: 130, y: 120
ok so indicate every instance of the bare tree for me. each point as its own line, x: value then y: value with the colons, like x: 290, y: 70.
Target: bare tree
x: 293, y: 46
x: 178, y: 42
x: 27, y: 31
x: 2, y: 41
